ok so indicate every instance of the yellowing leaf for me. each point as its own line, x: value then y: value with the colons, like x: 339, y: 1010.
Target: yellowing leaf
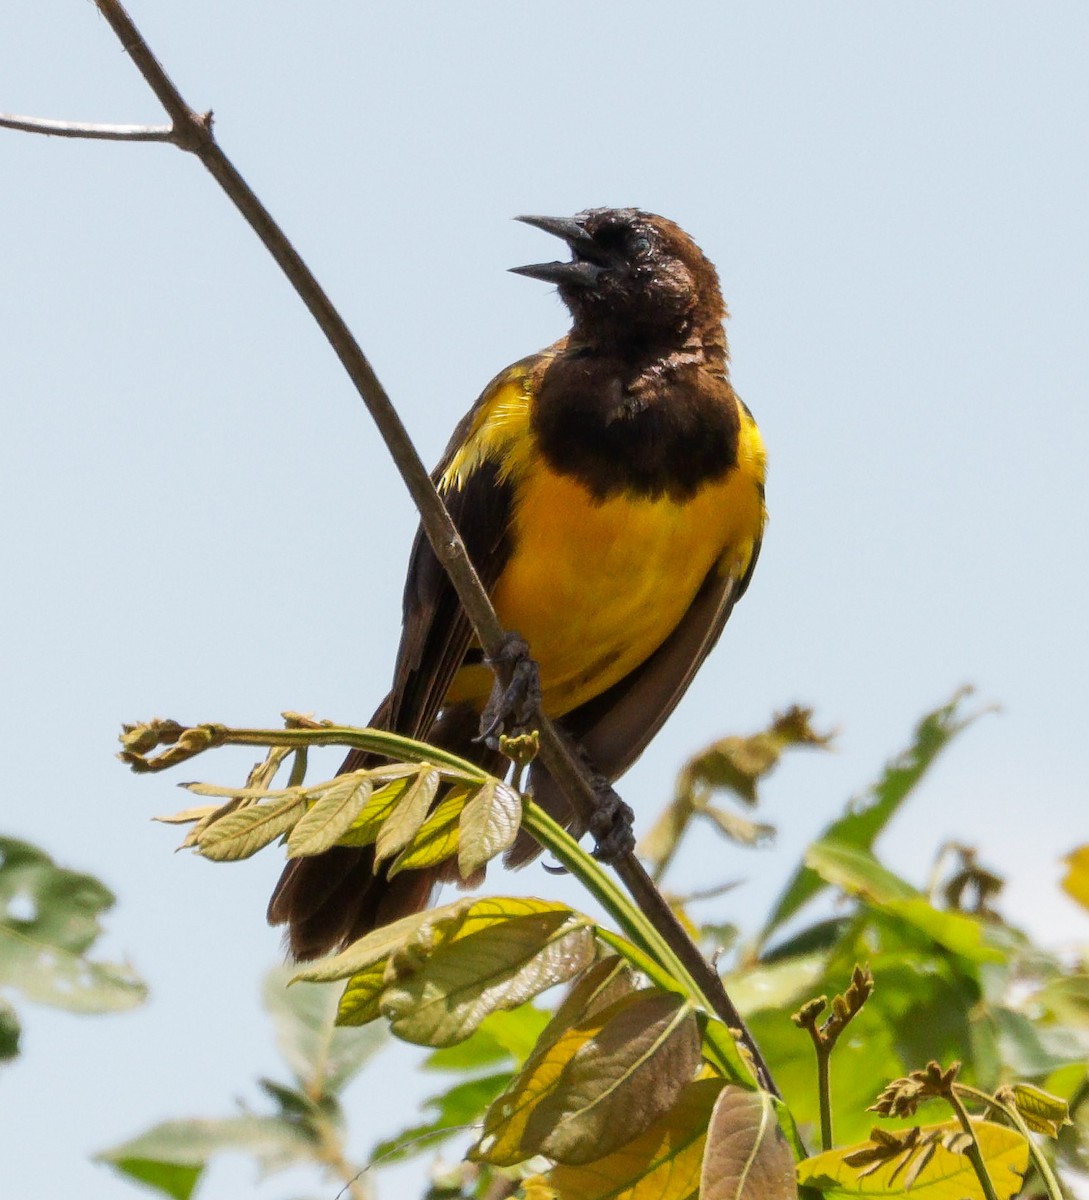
x: 945, y: 1175
x: 606, y: 982
x: 359, y: 1002
x: 364, y: 829
x: 247, y: 830
x: 1076, y: 880
x: 662, y: 1163
x: 410, y: 812
x: 437, y: 839
x: 440, y: 998
x: 240, y: 793
x: 737, y: 764
x: 334, y: 810
x: 423, y: 931
x: 747, y: 1156
x: 597, y: 1084
x: 488, y: 826
x: 186, y: 815
x: 537, y: 1188
x: 1041, y: 1111
x: 438, y: 973
x: 734, y: 764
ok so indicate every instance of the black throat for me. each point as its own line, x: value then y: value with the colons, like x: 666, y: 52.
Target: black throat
x: 647, y: 425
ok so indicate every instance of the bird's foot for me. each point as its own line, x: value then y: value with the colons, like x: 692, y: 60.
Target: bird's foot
x: 611, y: 823
x: 516, y: 692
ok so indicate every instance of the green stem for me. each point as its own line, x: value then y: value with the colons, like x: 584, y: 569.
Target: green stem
x: 330, y: 1153
x: 975, y: 1155
x: 188, y: 741
x: 639, y: 959
x: 824, y: 1089
x: 298, y: 769
x: 718, y: 1038
x: 590, y: 873
x: 653, y: 954
x: 390, y: 745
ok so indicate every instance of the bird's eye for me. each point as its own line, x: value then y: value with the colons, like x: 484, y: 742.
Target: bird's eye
x: 640, y: 245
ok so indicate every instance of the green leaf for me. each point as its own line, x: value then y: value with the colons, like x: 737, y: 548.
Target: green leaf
x: 820, y: 937
x: 174, y: 1179
x: 458, y: 1108
x: 924, y: 1002
x: 408, y: 815
x: 1069, y: 1081
x: 858, y: 873
x: 359, y: 1002
x: 488, y: 826
x: 867, y: 817
x: 747, y: 1157
x: 9, y: 1032
x: 781, y: 985
x: 172, y: 1155
x: 1023, y: 1045
x: 322, y: 1057
x: 49, y: 918
x: 243, y: 832
x: 1066, y: 1001
x: 500, y: 1037
x: 331, y: 815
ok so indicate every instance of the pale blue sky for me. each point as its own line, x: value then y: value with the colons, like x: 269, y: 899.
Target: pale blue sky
x: 199, y: 520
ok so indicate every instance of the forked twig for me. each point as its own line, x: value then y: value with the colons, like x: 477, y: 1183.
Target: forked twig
x: 77, y: 129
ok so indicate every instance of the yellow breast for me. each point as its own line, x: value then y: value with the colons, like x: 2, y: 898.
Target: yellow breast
x: 596, y: 587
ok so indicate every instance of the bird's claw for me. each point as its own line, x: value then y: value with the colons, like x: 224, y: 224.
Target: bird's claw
x: 611, y: 824
x: 516, y: 692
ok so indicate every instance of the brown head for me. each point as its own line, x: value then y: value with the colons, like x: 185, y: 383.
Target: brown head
x: 633, y: 278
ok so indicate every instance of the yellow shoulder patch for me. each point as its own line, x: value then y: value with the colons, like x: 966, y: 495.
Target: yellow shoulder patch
x: 499, y: 429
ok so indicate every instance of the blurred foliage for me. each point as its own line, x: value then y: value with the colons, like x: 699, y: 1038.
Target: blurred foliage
x: 303, y: 1123
x: 621, y: 1083
x: 49, y: 920
x: 619, y: 1092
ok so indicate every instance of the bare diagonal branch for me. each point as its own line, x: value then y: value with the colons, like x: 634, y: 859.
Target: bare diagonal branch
x: 192, y: 131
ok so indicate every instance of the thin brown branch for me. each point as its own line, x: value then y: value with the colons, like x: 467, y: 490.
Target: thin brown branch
x: 193, y: 132
x: 77, y: 129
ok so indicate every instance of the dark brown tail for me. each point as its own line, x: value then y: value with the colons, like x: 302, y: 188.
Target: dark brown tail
x: 332, y: 899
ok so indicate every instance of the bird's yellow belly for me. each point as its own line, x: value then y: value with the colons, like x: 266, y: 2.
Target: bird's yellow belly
x: 595, y: 588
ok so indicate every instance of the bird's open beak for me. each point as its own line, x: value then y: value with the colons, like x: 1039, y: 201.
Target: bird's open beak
x: 581, y: 271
